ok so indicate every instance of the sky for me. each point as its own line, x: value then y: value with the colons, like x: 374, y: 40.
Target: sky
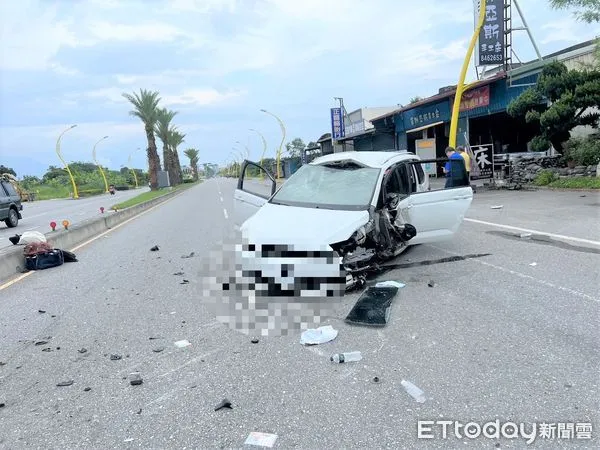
x: 219, y: 62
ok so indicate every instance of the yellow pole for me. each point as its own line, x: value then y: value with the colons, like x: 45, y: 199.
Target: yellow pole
x: 75, y: 193
x: 132, y: 170
x: 264, y: 141
x: 99, y: 166
x: 282, y: 126
x: 460, y: 87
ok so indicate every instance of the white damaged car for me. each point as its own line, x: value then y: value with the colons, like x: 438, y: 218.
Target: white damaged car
x: 352, y: 211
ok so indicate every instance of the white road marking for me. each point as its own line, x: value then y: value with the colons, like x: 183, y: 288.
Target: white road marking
x: 523, y: 275
x: 225, y: 213
x: 526, y: 230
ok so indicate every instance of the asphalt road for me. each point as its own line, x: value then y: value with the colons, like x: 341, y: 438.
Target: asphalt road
x: 38, y: 215
x: 495, y: 338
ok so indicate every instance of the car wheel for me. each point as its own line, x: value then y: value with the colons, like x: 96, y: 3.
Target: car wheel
x: 13, y: 218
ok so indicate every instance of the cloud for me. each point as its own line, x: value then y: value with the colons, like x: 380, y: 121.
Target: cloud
x: 562, y: 31
x: 201, y: 97
x: 146, y: 32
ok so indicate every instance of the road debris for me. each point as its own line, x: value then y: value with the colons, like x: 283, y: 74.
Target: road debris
x: 158, y: 350
x: 254, y: 340
x: 497, y: 207
x: 155, y: 248
x: 261, y: 439
x: 41, y: 311
x: 525, y: 235
x: 341, y: 358
x: 373, y: 307
x: 87, y: 389
x: 65, y: 383
x: 139, y: 411
x: 413, y: 391
x: 2, y: 363
x: 390, y: 283
x: 178, y: 273
x: 82, y: 350
x: 376, y: 380
x: 191, y: 255
x: 2, y: 405
x: 533, y: 264
x: 129, y: 440
x: 431, y: 283
x: 225, y: 403
x: 41, y: 342
x: 153, y: 338
x: 135, y: 379
x: 183, y: 343
x: 185, y: 282
x: 319, y: 335
x: 115, y: 357
x: 47, y: 349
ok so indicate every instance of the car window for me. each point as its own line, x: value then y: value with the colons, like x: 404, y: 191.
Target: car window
x: 340, y: 185
x: 420, y: 173
x: 9, y: 189
x: 407, y: 179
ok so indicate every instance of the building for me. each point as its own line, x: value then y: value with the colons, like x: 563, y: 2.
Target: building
x: 360, y: 133
x: 424, y: 127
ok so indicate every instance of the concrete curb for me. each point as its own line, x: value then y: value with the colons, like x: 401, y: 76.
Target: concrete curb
x: 12, y: 261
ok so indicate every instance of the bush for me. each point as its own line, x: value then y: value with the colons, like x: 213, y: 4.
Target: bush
x: 90, y: 192
x: 583, y: 151
x: 122, y: 188
x: 577, y: 183
x: 544, y: 178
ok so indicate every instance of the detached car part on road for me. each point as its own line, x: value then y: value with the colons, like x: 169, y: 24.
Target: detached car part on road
x: 367, y: 207
x: 10, y: 203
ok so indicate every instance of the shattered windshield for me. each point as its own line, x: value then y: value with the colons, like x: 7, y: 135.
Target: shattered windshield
x: 340, y: 185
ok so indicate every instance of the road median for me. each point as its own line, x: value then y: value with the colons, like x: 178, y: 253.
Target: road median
x: 12, y: 260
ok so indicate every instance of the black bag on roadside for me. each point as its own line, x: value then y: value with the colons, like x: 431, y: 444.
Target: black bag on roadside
x: 44, y: 260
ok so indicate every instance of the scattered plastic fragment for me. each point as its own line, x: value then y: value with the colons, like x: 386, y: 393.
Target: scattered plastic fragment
x: 191, y: 255
x: 390, y: 283
x: 65, y: 383
x: 152, y: 338
x: 413, y: 391
x: 346, y: 357
x: 525, y: 235
x: 254, y: 340
x: 135, y: 379
x: 154, y: 249
x: 158, y: 350
x: 82, y: 350
x: 261, y: 439
x: 376, y: 380
x: 178, y: 273
x: 41, y: 342
x: 2, y: 405
x: 225, y: 403
x: 497, y: 207
x: 139, y: 411
x: 431, y: 283
x: 115, y: 357
x: 319, y: 335
x: 129, y: 440
x: 533, y: 264
x: 87, y: 389
x: 185, y: 282
x: 183, y: 343
x: 41, y: 311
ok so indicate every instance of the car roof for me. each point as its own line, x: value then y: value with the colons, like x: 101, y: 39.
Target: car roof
x: 379, y: 159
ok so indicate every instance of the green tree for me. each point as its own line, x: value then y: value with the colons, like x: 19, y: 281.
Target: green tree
x: 415, y: 99
x: 4, y: 169
x: 570, y: 95
x: 587, y: 10
x: 163, y: 131
x: 192, y: 155
x: 145, y: 108
x: 176, y: 138
x: 295, y: 147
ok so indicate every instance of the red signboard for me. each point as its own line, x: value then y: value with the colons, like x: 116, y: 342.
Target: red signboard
x: 475, y: 98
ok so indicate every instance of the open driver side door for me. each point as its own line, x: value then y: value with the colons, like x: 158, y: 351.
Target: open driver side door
x: 437, y: 215
x: 254, y: 188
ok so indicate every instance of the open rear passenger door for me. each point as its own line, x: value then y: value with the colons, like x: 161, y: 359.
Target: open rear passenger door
x: 254, y: 188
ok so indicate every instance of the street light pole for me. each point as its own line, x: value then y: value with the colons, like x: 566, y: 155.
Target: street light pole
x: 132, y: 169
x: 262, y: 175
x: 282, y: 140
x: 99, y: 166
x: 75, y: 193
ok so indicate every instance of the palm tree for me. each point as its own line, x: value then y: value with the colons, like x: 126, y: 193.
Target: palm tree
x: 192, y: 154
x: 177, y: 138
x: 145, y: 106
x: 163, y: 130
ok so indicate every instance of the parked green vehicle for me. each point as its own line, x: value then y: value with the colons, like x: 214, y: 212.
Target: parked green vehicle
x: 10, y: 203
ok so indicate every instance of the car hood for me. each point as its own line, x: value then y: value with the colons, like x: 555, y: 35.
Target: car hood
x: 310, y: 227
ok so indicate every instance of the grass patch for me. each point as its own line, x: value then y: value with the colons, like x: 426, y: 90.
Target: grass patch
x: 151, y: 195
x: 576, y: 183
x: 43, y: 192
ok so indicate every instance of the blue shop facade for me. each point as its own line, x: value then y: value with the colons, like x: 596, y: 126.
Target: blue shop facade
x: 483, y: 118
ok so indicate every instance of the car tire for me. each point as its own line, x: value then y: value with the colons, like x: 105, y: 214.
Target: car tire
x: 13, y: 218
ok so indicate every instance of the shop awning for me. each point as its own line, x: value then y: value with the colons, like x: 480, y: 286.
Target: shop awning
x: 424, y: 127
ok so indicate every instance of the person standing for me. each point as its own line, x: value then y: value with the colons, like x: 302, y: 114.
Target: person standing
x: 454, y: 169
